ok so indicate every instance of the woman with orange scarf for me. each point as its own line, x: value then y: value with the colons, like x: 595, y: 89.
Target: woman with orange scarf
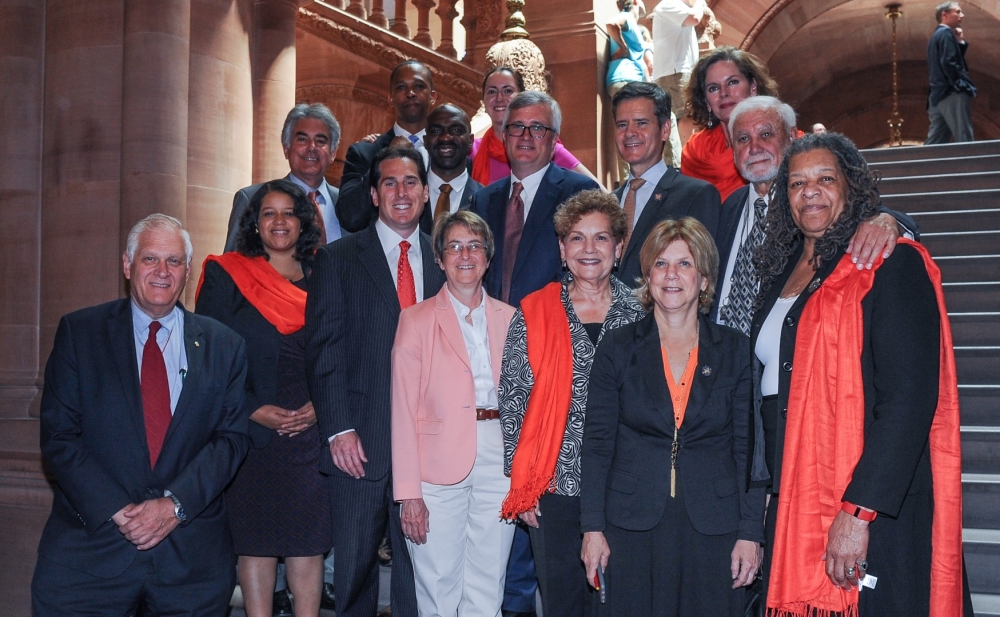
x: 543, y: 391
x: 279, y: 504
x: 862, y: 436
x: 489, y: 157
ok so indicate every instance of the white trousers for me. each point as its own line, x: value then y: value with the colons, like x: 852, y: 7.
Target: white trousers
x: 460, y: 570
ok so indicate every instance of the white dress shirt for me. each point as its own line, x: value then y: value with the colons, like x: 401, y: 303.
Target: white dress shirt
x: 457, y: 188
x: 529, y: 186
x: 742, y: 231
x: 652, y: 177
x: 170, y: 339
x: 478, y: 346
x: 418, y: 144
x: 326, y: 206
x: 390, y: 246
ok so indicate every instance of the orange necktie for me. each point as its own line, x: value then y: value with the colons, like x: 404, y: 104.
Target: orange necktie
x: 633, y: 186
x: 314, y: 197
x: 405, y: 287
x: 443, y: 205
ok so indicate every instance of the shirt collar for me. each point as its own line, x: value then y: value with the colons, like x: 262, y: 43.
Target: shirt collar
x: 400, y: 131
x: 531, y: 182
x: 323, y: 186
x: 654, y: 173
x: 390, y: 239
x: 462, y: 310
x: 753, y: 196
x: 457, y: 185
x: 141, y: 321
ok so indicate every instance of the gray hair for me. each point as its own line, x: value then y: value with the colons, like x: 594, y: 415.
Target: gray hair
x: 162, y: 222
x: 320, y: 112
x: 764, y: 103
x: 941, y: 8
x: 534, y: 97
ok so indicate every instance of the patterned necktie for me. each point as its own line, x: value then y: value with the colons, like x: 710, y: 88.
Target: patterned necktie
x: 738, y: 311
x: 513, y: 227
x: 317, y: 199
x: 155, y: 394
x: 633, y: 186
x: 405, y: 288
x: 444, y: 201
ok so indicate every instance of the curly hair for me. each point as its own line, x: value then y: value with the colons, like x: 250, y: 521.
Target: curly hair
x: 752, y: 68
x: 706, y: 257
x: 587, y: 202
x: 248, y: 242
x: 861, y: 204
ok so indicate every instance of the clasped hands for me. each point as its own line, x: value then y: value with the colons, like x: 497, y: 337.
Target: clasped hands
x: 147, y: 523
x: 288, y: 422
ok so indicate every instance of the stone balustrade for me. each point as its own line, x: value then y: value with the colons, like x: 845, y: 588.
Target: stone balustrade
x: 431, y: 16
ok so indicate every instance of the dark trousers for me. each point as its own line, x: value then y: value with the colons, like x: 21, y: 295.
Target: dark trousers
x: 362, y: 511
x: 556, y: 544
x: 521, y: 582
x: 60, y: 591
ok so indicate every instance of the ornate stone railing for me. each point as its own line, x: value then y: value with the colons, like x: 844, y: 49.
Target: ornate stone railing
x: 441, y: 11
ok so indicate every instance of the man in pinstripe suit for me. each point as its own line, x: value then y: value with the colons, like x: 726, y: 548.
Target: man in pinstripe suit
x: 355, y: 293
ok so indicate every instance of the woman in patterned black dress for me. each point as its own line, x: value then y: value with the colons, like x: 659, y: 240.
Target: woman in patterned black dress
x: 543, y: 391
x: 278, y: 503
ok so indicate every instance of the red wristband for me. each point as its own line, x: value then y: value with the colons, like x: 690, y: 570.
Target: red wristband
x: 858, y: 512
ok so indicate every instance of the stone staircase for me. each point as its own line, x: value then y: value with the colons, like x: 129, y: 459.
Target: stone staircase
x: 953, y: 192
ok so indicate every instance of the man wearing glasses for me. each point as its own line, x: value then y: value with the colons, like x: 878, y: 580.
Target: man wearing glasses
x: 519, y: 209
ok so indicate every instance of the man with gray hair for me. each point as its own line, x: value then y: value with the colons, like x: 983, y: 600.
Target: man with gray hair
x: 143, y: 424
x: 309, y: 138
x: 762, y: 128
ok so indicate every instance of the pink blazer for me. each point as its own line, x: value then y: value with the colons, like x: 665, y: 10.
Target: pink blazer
x: 433, y: 395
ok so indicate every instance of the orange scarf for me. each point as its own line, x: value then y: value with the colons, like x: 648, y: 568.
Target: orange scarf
x: 826, y: 422
x: 550, y: 356
x: 282, y: 304
x: 491, y: 147
x: 708, y: 157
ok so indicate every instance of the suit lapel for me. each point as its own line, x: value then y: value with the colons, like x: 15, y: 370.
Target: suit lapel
x: 194, y: 349
x: 545, y: 201
x: 373, y: 259
x: 496, y: 331
x: 120, y: 333
x: 447, y: 320
x: 650, y: 360
x: 650, y: 213
x: 470, y: 187
x: 433, y: 275
x: 496, y: 216
x: 704, y: 375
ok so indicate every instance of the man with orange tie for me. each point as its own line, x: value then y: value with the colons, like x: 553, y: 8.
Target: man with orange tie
x: 143, y: 424
x: 309, y: 138
x: 358, y: 286
x: 448, y: 140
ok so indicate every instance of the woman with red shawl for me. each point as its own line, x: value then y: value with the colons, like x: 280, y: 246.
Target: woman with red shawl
x: 861, y: 437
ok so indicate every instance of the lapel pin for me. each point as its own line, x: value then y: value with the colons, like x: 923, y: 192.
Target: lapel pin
x: 658, y: 196
x: 706, y: 370
x: 197, y: 344
x: 814, y: 285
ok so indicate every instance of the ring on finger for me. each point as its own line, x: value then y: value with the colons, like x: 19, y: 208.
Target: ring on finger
x: 851, y: 571
x: 862, y: 564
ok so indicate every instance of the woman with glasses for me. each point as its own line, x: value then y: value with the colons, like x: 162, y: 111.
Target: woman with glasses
x: 489, y: 156
x: 447, y: 446
x: 543, y: 391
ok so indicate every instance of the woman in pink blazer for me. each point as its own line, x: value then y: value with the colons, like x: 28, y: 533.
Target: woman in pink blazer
x: 447, y: 445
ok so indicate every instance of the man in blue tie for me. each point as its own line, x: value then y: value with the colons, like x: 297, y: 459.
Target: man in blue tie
x: 309, y: 138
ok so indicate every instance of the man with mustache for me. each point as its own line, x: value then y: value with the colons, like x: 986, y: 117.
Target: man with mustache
x: 448, y: 141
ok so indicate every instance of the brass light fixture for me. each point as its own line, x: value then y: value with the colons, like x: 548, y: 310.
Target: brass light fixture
x: 893, y: 12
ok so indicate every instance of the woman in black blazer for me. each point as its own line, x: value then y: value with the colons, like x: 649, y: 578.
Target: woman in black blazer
x: 850, y: 373
x: 664, y: 498
x: 278, y: 503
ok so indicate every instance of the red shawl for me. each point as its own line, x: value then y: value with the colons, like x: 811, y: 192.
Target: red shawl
x: 826, y: 421
x: 282, y: 304
x: 707, y: 156
x: 550, y: 356
x: 491, y: 147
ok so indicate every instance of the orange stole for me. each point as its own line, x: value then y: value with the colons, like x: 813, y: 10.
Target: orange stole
x: 829, y: 341
x: 708, y: 157
x: 550, y: 356
x: 492, y: 147
x: 282, y: 304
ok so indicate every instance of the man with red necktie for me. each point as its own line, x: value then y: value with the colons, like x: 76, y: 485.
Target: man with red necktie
x: 143, y: 425
x: 358, y: 287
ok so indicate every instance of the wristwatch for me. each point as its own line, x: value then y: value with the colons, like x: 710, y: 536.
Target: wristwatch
x: 178, y: 508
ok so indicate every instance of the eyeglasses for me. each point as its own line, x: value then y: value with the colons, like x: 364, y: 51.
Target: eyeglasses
x: 456, y: 248
x: 537, y: 131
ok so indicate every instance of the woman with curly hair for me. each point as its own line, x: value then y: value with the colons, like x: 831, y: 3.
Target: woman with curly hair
x: 718, y: 83
x: 861, y: 437
x: 278, y: 503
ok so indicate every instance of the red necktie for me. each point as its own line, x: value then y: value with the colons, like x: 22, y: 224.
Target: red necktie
x: 155, y: 394
x: 513, y: 228
x: 405, y: 287
x: 314, y: 197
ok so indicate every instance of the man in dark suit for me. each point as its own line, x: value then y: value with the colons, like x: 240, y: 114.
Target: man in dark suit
x: 519, y: 209
x: 448, y: 141
x: 309, y: 138
x: 653, y: 192
x: 950, y: 102
x: 411, y: 93
x: 358, y: 286
x: 762, y: 128
x: 143, y: 425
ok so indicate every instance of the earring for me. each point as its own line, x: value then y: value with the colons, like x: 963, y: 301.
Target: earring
x: 255, y: 230
x: 618, y: 262
x: 563, y: 264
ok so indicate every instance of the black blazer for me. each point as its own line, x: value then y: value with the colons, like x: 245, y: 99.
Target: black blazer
x: 220, y: 299
x: 630, y: 428
x: 899, y: 364
x: 538, y: 262
x: 675, y: 196
x: 241, y: 200
x: 351, y: 316
x: 93, y: 438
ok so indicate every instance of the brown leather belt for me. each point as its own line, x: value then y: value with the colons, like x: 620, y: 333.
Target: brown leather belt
x: 487, y: 414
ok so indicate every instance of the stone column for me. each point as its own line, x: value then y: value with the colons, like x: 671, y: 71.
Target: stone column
x: 273, y: 83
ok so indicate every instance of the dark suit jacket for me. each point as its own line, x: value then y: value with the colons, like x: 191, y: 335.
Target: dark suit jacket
x: 355, y: 209
x: 241, y: 200
x: 538, y: 262
x: 93, y: 438
x: 351, y: 316
x: 471, y: 187
x: 630, y: 428
x: 946, y: 62
x: 675, y: 196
